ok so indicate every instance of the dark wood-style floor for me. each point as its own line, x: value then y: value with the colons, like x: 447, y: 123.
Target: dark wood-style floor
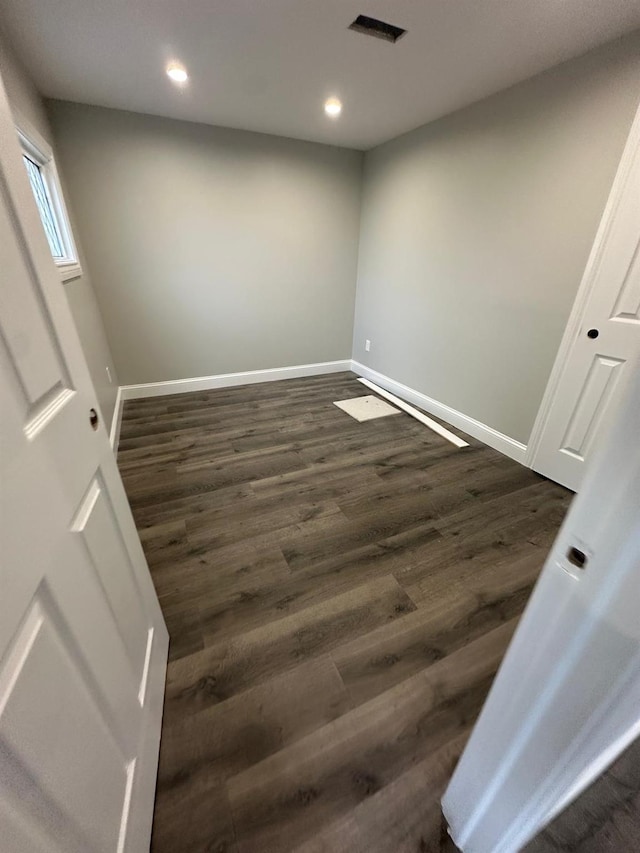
x: 339, y: 596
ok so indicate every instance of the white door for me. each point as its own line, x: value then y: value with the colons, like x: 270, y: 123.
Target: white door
x: 603, y: 336
x: 83, y: 644
x: 566, y: 700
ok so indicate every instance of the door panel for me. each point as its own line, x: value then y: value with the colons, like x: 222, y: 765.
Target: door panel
x: 28, y: 824
x: 42, y: 739
x: 627, y: 307
x: 592, y: 370
x: 83, y: 645
x: 25, y: 330
x: 100, y: 648
x: 591, y: 406
x: 97, y: 526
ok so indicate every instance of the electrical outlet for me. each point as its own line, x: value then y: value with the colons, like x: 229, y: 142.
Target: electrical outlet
x: 109, y: 374
x: 367, y: 345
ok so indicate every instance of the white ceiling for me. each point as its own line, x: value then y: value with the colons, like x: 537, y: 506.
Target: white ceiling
x: 268, y: 65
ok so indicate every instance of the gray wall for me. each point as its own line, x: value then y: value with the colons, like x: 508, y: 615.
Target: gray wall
x: 215, y: 251
x: 212, y: 250
x: 27, y: 107
x: 475, y: 232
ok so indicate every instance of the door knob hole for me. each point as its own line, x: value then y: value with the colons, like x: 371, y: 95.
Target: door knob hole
x: 577, y: 557
x: 93, y: 418
x: 593, y: 334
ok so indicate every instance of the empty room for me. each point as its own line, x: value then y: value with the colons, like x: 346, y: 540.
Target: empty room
x: 319, y: 468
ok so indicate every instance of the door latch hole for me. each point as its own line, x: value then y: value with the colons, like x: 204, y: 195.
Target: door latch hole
x: 577, y: 557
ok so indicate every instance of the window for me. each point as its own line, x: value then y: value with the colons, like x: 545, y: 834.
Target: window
x: 45, y: 185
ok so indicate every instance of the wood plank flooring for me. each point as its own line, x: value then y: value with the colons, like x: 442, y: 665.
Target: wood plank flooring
x: 339, y: 596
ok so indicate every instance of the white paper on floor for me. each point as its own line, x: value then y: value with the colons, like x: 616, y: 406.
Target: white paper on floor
x: 366, y: 408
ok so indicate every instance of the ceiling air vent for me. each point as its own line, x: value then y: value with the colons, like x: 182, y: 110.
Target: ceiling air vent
x: 373, y: 27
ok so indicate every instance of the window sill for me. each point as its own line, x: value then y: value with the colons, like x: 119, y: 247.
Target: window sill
x: 69, y: 271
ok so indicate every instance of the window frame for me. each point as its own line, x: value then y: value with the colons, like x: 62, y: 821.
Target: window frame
x: 39, y: 152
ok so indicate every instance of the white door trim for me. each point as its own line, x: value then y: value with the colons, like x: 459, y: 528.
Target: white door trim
x: 574, y: 324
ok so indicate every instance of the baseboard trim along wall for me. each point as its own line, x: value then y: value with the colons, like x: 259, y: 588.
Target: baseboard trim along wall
x: 228, y: 380
x: 503, y: 443
x: 221, y: 380
x: 498, y: 440
x: 418, y: 414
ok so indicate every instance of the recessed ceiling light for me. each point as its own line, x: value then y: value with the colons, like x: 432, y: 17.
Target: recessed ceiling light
x: 333, y: 107
x: 177, y: 73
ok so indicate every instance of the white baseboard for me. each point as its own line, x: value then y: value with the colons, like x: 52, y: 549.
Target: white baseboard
x: 228, y: 380
x: 116, y: 420
x: 498, y: 440
x: 208, y: 383
x: 503, y: 443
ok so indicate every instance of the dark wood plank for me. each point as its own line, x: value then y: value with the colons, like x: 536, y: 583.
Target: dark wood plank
x: 189, y: 506
x: 287, y: 798
x: 230, y: 667
x: 222, y: 740
x: 403, y: 817
x: 338, y: 597
x: 193, y: 821
x: 457, y: 616
x: 223, y: 526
